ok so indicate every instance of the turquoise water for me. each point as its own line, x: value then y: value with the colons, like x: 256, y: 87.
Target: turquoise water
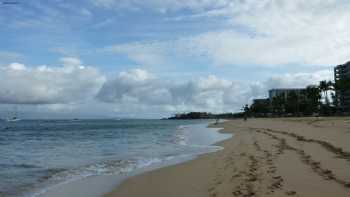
x: 36, y: 154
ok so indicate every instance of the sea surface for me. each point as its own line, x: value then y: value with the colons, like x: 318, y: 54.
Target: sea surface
x: 38, y: 154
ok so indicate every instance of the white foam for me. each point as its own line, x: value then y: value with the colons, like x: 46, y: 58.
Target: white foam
x: 101, y: 169
x: 198, y: 136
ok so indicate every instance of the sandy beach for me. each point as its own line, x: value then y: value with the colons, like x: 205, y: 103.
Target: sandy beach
x: 266, y: 157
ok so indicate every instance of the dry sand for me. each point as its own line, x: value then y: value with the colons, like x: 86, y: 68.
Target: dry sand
x: 266, y: 157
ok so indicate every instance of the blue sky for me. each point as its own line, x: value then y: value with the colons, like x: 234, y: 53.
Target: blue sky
x: 154, y: 58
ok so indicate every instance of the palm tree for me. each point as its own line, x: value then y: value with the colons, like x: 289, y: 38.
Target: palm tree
x: 330, y: 86
x: 313, y: 99
x: 327, y: 107
x: 246, y: 110
x: 324, y: 87
x: 292, y: 103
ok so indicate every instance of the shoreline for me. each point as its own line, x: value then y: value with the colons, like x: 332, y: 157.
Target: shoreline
x: 266, y: 157
x: 220, y: 129
x: 98, y: 185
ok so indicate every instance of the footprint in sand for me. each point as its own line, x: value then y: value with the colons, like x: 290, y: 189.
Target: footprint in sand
x: 291, y: 193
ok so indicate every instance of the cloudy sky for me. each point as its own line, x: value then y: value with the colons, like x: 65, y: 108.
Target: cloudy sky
x: 154, y: 58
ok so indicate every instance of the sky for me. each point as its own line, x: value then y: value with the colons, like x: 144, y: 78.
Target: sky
x: 155, y: 58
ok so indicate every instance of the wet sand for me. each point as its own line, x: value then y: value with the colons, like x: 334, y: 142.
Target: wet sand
x: 266, y: 157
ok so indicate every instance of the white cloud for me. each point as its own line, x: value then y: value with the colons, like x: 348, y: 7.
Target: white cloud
x: 162, y: 5
x: 133, y: 86
x: 305, y: 32
x: 298, y: 80
x: 17, y: 66
x: 232, y: 48
x: 295, y: 80
x: 71, y: 63
x: 138, y: 91
x: 72, y: 82
x: 264, y: 32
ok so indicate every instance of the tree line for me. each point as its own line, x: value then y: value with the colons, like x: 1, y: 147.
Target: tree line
x: 311, y: 101
x: 314, y: 100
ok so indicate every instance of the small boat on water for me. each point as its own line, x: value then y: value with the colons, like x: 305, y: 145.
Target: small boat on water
x: 13, y: 119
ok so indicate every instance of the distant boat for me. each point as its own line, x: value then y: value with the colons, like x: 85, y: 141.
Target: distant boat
x: 13, y: 119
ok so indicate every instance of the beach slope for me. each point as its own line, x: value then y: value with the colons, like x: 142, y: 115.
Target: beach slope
x: 266, y: 157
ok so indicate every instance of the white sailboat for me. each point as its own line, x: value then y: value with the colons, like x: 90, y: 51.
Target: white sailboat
x: 13, y: 118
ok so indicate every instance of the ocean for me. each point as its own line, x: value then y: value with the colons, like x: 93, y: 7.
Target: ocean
x: 38, y: 154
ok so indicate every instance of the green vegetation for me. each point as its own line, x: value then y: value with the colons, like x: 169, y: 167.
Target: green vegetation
x: 320, y: 100
x: 314, y: 100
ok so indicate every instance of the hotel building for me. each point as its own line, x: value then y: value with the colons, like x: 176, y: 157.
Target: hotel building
x: 341, y: 74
